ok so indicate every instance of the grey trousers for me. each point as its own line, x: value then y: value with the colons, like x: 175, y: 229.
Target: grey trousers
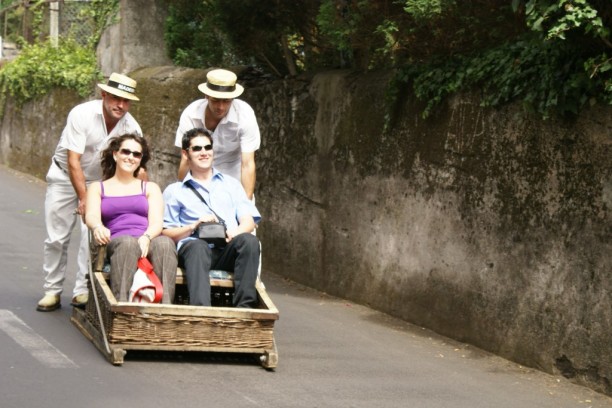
x: 124, y: 252
x: 240, y: 256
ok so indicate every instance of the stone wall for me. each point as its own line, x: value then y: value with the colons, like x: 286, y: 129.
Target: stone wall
x: 136, y: 39
x: 486, y: 226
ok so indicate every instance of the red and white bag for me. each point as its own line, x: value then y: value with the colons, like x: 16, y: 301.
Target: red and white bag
x: 146, y: 287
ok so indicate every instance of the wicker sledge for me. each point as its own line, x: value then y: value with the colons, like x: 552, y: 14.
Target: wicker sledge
x: 116, y: 327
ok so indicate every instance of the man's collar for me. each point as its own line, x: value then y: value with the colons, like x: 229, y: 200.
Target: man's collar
x: 100, y: 108
x: 231, y: 116
x: 196, y: 113
x: 189, y: 178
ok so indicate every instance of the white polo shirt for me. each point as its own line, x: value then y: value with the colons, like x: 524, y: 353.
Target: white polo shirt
x: 85, y: 133
x: 237, y: 133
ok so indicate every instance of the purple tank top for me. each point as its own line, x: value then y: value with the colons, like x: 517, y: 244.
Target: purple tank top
x: 125, y: 215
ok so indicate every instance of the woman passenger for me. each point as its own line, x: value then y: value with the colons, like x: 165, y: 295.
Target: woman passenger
x: 126, y: 214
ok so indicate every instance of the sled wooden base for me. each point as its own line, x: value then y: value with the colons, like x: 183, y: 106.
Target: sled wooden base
x: 137, y: 326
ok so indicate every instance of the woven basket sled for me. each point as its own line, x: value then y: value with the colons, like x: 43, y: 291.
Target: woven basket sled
x: 176, y: 327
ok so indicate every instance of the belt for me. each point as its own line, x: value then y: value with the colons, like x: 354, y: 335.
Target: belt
x: 58, y: 165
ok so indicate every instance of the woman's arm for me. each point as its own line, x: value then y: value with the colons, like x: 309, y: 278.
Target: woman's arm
x: 93, y: 216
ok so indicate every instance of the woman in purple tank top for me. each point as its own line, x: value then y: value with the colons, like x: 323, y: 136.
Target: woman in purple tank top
x: 126, y: 213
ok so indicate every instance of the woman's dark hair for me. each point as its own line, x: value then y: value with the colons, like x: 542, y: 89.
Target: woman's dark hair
x: 108, y: 162
x: 195, y: 132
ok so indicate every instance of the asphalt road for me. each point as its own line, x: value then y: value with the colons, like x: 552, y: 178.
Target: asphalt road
x: 332, y: 353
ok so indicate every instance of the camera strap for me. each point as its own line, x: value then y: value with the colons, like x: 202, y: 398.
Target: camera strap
x: 196, y: 192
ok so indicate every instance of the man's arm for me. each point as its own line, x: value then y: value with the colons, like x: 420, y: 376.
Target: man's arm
x: 178, y: 233
x: 246, y: 225
x: 185, y: 124
x: 247, y: 175
x: 77, y: 178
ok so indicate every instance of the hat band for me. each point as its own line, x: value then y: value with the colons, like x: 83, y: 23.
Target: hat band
x: 121, y: 87
x: 221, y: 88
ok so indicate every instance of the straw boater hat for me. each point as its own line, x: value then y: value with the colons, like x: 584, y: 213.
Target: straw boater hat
x: 120, y: 85
x: 221, y: 84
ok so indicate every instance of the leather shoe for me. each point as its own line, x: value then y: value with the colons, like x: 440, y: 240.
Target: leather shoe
x: 49, y: 303
x: 80, y: 300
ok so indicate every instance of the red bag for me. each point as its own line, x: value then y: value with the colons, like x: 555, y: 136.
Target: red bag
x: 146, y: 287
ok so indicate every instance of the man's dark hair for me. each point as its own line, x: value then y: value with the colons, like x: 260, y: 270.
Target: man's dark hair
x: 195, y: 132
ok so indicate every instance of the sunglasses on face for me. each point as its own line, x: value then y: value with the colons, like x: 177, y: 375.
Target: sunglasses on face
x: 197, y: 148
x: 127, y: 152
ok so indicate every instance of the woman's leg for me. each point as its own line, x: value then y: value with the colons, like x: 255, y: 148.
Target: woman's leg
x: 123, y: 253
x: 162, y: 254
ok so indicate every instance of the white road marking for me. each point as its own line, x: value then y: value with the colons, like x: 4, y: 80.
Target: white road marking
x: 37, y: 346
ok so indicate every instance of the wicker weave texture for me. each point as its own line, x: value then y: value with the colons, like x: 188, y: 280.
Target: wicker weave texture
x: 191, y: 331
x: 165, y: 329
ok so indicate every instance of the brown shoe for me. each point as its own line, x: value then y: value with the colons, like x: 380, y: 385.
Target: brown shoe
x: 49, y: 303
x: 80, y: 300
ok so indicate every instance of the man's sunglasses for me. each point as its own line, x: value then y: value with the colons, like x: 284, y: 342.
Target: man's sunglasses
x: 197, y: 148
x: 127, y: 152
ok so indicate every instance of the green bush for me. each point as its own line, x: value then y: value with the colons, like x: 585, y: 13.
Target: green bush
x: 40, y: 67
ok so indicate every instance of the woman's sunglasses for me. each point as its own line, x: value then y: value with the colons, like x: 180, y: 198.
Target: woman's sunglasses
x: 127, y: 152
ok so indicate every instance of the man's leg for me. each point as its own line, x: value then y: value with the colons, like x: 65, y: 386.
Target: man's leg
x: 241, y: 256
x: 195, y: 257
x: 60, y: 203
x: 80, y: 285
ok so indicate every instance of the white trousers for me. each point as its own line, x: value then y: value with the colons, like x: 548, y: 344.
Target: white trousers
x: 60, y: 202
x: 255, y: 233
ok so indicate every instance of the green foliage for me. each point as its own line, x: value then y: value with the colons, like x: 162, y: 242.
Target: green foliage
x: 102, y: 13
x: 583, y: 25
x: 11, y: 22
x: 548, y: 78
x: 554, y: 55
x: 193, y: 36
x: 556, y: 18
x: 560, y: 68
x: 273, y: 34
x: 38, y: 14
x: 599, y: 68
x: 426, y: 9
x: 338, y: 24
x: 388, y: 30
x: 40, y: 67
x: 361, y: 33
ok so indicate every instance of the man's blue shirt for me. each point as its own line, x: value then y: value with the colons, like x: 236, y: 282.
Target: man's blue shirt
x: 224, y: 195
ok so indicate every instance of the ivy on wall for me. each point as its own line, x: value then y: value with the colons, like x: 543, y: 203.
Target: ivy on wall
x: 547, y: 79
